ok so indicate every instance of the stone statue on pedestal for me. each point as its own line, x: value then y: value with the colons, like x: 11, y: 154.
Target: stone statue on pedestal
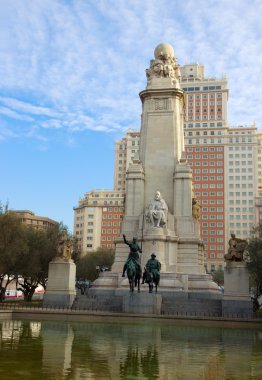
x: 65, y: 246
x: 133, y: 254
x: 151, y: 274
x: 164, y: 65
x: 156, y: 212
x: 236, y: 249
x: 195, y: 209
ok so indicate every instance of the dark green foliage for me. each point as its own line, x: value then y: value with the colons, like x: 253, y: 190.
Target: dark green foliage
x: 12, y: 242
x: 33, y: 263
x: 255, y: 265
x: 218, y: 277
x: 25, y: 253
x: 87, y: 266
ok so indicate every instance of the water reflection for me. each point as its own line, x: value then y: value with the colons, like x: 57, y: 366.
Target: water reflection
x: 142, y: 350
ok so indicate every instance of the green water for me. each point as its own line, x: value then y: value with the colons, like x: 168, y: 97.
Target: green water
x: 117, y: 350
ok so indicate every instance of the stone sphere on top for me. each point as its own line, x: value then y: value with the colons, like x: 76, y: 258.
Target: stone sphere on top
x: 164, y: 50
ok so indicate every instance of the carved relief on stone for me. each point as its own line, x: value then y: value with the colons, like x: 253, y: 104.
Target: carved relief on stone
x: 161, y: 104
x: 164, y: 65
x: 156, y: 211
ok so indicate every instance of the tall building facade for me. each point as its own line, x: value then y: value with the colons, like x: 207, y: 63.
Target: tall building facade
x: 125, y: 151
x: 223, y: 160
x: 97, y: 219
x: 258, y: 202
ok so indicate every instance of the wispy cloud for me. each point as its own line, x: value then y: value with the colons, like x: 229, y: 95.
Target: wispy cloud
x: 75, y: 66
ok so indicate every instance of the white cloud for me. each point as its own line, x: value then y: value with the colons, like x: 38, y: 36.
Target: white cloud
x: 80, y: 65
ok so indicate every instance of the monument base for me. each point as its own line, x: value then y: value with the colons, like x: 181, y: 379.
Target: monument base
x: 60, y: 290
x: 142, y: 303
x: 237, y: 301
x: 169, y: 282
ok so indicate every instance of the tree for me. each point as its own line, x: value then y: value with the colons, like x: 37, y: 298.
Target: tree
x: 255, y: 263
x: 218, y: 277
x: 34, y: 261
x: 12, y: 242
x: 87, y: 266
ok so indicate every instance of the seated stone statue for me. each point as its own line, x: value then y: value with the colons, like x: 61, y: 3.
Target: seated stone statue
x: 236, y: 249
x: 156, y: 212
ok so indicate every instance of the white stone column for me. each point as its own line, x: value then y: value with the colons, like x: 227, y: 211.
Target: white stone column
x: 184, y: 225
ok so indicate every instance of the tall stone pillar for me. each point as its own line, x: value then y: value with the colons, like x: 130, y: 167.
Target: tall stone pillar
x: 183, y: 198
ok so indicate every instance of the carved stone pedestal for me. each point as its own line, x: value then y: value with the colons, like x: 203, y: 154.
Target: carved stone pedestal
x: 60, y: 290
x: 236, y: 301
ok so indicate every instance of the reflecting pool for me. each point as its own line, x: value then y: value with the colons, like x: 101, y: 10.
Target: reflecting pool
x: 146, y: 349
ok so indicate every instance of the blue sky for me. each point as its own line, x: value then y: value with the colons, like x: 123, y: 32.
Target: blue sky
x: 70, y: 74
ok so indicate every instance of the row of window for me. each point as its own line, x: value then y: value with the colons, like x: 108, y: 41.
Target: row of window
x: 204, y: 117
x: 213, y: 217
x: 243, y: 177
x: 104, y: 224
x: 203, y: 103
x: 109, y: 231
x: 209, y: 186
x: 209, y: 201
x: 204, y: 88
x: 212, y: 232
x: 206, y: 171
x: 109, y: 202
x: 204, y: 110
x: 237, y: 148
x: 205, y: 149
x: 242, y: 186
x: 212, y: 209
x: 203, y: 125
x: 243, y: 155
x: 209, y: 178
x: 237, y: 140
x: 212, y: 224
x: 240, y: 170
x: 213, y: 240
x: 243, y: 202
x: 244, y: 163
x: 243, y: 216
x: 111, y: 216
x: 240, y: 233
x: 242, y: 209
x: 208, y: 163
x: 244, y: 194
x: 204, y: 133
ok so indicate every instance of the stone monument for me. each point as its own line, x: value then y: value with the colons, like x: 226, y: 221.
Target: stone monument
x: 160, y: 211
x: 237, y: 300
x: 61, y: 275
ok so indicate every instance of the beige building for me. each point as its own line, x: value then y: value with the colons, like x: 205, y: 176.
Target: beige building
x: 125, y: 150
x: 38, y: 222
x: 224, y: 163
x: 98, y: 218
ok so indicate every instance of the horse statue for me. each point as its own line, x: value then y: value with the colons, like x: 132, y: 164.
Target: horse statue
x: 151, y: 278
x: 133, y: 274
x: 151, y: 273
